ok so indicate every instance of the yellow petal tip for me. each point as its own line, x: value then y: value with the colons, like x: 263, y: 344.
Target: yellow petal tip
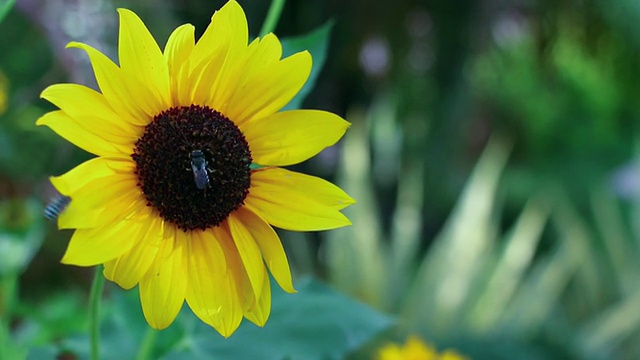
x: 158, y: 326
x: 46, y: 90
x: 65, y: 260
x: 74, y: 44
x: 125, y: 12
x: 306, y: 55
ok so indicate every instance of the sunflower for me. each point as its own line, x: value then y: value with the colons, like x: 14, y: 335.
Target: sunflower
x: 187, y: 182
x: 415, y: 349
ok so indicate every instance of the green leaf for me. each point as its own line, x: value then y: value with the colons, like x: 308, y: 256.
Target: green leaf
x: 317, y: 43
x: 9, y: 349
x: 315, y: 323
x: 42, y: 325
x: 21, y: 234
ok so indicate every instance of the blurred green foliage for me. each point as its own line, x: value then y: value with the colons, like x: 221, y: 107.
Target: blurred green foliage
x: 333, y: 326
x: 483, y: 140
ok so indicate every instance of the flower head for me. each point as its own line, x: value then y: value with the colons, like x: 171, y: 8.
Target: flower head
x: 185, y: 188
x: 415, y: 349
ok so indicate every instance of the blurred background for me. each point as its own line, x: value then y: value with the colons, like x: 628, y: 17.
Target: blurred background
x: 492, y: 152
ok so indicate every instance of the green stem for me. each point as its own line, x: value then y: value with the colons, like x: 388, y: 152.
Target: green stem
x: 94, y: 312
x: 146, y: 348
x: 8, y: 291
x: 8, y: 294
x: 273, y: 16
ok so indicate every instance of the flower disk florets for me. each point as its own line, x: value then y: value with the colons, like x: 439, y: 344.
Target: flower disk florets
x: 165, y: 166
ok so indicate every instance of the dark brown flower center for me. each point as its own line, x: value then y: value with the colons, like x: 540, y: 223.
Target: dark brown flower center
x: 193, y: 166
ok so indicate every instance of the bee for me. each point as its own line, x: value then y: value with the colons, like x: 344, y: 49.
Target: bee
x: 199, y: 165
x: 56, y: 206
x: 200, y: 169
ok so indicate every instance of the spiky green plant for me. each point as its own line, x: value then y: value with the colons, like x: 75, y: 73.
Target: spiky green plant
x: 554, y: 284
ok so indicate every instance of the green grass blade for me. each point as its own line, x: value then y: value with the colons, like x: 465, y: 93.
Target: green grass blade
x: 447, y: 273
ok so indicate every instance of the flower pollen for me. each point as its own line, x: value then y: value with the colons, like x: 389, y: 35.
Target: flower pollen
x: 187, y: 190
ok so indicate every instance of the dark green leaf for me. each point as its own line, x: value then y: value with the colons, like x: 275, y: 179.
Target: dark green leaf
x: 5, y: 7
x: 317, y: 43
x: 315, y: 323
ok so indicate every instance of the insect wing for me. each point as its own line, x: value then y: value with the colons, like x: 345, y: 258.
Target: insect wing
x: 200, y: 176
x: 199, y: 168
x: 56, y: 207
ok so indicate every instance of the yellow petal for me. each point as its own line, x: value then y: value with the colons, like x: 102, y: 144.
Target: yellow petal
x: 249, y: 253
x: 290, y: 137
x: 390, y: 352
x: 128, y: 269
x: 178, y: 48
x: 121, y: 203
x: 163, y: 288
x: 114, y: 86
x: 89, y: 247
x: 260, y: 54
x: 263, y: 52
x: 91, y: 109
x: 197, y: 89
x: 203, y: 66
x: 235, y: 267
x: 270, y: 247
x: 86, y: 135
x: 100, y: 191
x: 259, y: 313
x: 212, y: 293
x: 176, y: 53
x: 217, y: 54
x: 74, y: 217
x: 262, y: 93
x: 295, y: 201
x: 90, y: 170
x: 239, y: 38
x: 415, y: 346
x: 143, y: 64
x: 219, y: 34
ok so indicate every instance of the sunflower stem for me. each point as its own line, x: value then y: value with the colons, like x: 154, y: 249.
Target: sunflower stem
x: 273, y: 16
x: 94, y: 312
x: 146, y: 348
x: 8, y: 294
